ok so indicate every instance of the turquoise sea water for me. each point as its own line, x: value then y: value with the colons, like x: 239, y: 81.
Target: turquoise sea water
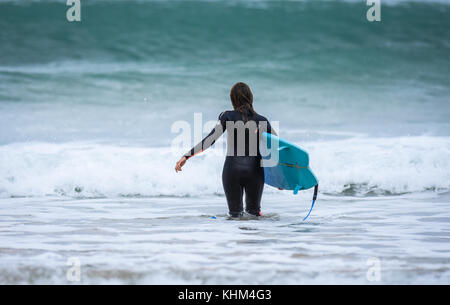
x: 86, y: 116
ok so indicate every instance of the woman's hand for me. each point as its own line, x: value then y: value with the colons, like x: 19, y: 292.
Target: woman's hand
x: 180, y: 164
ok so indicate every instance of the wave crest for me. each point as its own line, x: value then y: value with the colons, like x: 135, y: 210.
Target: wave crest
x: 355, y: 167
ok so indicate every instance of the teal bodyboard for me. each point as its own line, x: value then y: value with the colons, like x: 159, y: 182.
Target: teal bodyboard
x: 292, y: 171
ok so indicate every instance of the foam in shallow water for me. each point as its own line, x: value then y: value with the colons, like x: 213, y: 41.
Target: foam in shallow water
x: 167, y: 240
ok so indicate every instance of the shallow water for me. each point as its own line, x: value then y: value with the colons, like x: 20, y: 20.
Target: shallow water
x: 175, y: 240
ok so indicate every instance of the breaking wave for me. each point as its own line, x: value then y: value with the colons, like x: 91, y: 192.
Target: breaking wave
x: 356, y: 167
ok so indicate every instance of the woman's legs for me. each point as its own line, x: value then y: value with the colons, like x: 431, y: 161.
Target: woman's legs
x: 243, y: 174
x: 254, y: 187
x: 233, y: 189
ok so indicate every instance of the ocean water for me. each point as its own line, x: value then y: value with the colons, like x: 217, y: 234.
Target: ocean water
x: 87, y: 114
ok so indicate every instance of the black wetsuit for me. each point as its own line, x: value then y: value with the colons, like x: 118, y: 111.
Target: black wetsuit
x: 242, y: 171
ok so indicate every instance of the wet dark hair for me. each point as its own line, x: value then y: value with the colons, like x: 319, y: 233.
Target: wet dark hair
x: 242, y: 99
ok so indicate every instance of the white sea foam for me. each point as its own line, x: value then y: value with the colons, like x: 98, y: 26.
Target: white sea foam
x: 173, y: 241
x: 358, y: 166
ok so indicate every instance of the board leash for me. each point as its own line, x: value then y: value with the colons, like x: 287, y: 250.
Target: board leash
x: 316, y: 188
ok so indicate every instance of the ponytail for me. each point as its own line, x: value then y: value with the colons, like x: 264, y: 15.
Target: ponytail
x: 246, y: 110
x: 242, y: 100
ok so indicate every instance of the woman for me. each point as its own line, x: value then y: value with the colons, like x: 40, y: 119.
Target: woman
x: 242, y: 171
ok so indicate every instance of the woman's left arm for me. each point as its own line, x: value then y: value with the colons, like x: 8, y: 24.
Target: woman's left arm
x: 207, y: 142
